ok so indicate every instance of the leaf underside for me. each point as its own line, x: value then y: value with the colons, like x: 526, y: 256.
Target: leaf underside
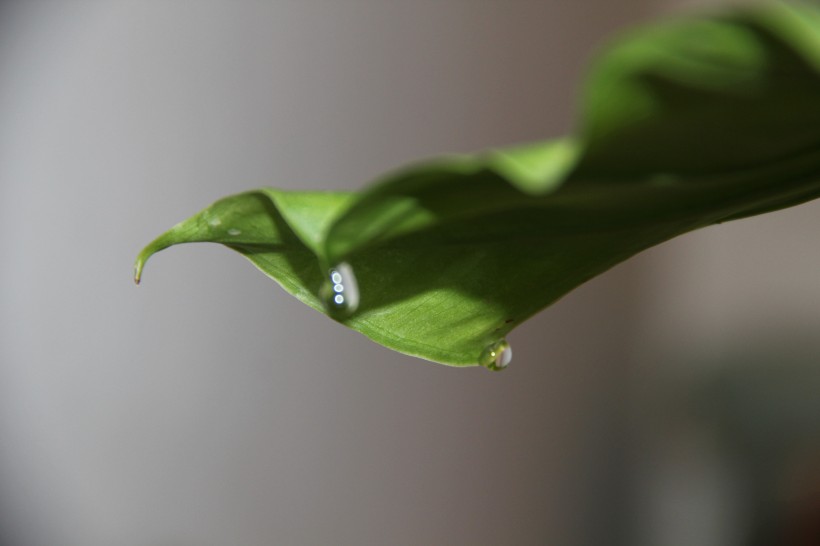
x: 684, y: 124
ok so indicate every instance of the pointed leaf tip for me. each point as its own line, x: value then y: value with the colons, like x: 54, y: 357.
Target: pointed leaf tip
x: 142, y: 257
x: 139, y: 264
x: 160, y: 243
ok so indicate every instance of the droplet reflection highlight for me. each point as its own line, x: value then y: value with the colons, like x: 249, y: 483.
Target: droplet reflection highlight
x: 496, y: 356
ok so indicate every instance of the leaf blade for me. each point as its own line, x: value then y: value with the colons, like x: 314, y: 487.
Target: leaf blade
x: 686, y: 124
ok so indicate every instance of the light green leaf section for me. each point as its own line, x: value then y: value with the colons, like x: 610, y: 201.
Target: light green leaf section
x: 684, y: 124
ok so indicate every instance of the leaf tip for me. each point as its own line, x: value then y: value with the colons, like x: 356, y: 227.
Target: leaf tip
x: 160, y: 243
x: 138, y: 265
x: 143, y: 256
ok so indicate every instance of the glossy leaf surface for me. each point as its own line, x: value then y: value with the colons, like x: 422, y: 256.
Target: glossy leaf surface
x: 685, y: 124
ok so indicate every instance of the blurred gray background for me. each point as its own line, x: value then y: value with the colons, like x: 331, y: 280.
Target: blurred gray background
x: 207, y: 407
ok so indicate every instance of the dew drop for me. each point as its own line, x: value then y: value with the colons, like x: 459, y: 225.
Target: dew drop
x: 496, y: 356
x: 234, y: 232
x: 341, y: 291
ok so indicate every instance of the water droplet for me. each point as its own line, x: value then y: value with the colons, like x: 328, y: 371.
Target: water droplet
x: 496, y: 356
x: 234, y: 232
x: 341, y: 291
x: 214, y: 222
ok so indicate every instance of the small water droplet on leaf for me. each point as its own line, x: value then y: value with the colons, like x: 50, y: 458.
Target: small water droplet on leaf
x: 340, y: 291
x: 496, y: 356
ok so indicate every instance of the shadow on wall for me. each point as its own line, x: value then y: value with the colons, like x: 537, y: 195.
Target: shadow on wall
x: 734, y: 447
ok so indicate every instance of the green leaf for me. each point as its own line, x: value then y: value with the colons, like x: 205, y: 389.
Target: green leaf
x: 685, y: 124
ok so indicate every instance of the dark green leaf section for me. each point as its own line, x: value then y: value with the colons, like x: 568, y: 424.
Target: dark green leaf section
x: 684, y: 124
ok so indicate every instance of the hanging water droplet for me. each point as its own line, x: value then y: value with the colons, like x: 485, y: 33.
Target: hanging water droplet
x: 341, y: 292
x: 496, y: 356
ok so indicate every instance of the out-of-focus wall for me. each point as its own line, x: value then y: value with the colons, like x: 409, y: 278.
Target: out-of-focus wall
x: 209, y: 408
